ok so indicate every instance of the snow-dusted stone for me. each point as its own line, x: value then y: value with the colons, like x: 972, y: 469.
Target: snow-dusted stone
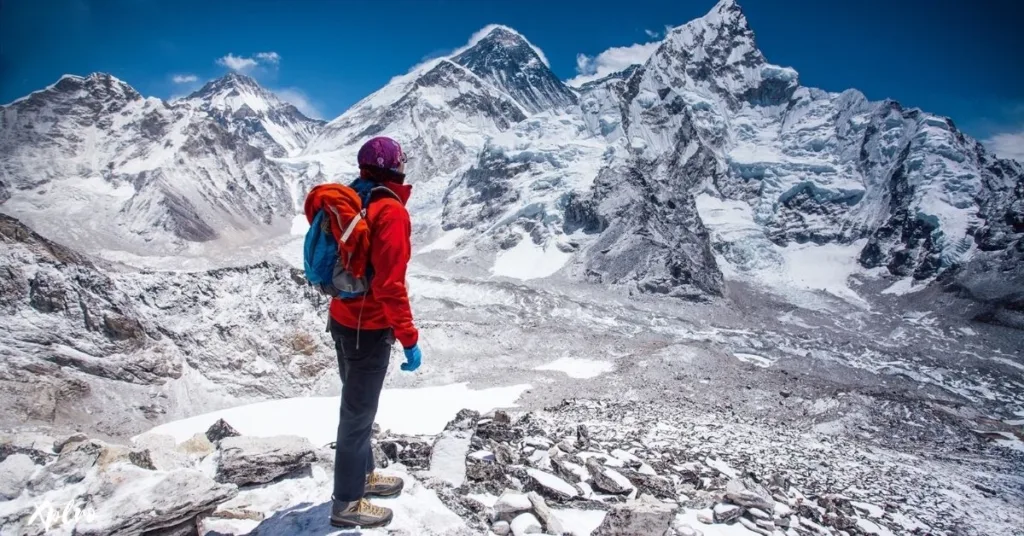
x: 753, y: 527
x: 258, y: 460
x: 526, y: 524
x: 608, y: 480
x: 501, y: 528
x: 655, y: 485
x: 15, y: 472
x: 155, y: 501
x: 551, y: 486
x: 706, y: 517
x: 39, y: 447
x: 684, y: 529
x: 746, y: 492
x: 725, y: 512
x: 412, y: 452
x: 551, y: 523
x: 448, y: 455
x: 198, y: 445
x: 220, y: 430
x: 638, y: 518
x: 511, y: 503
x: 162, y: 451
x: 758, y: 513
x: 59, y: 443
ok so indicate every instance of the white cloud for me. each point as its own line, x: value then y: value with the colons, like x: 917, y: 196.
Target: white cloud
x: 613, y: 60
x: 298, y: 98
x: 268, y: 57
x: 237, y: 63
x: 1007, y: 145
x: 184, y: 78
x: 652, y: 34
x: 243, y: 64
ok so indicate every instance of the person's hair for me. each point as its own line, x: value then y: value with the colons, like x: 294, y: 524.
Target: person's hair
x: 379, y: 174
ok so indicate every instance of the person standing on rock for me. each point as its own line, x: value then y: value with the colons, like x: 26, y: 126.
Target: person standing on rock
x: 364, y: 328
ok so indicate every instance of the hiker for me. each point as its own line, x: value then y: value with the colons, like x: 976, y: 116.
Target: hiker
x: 365, y: 324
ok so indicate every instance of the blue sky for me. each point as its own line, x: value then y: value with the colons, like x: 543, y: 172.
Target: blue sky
x: 954, y: 57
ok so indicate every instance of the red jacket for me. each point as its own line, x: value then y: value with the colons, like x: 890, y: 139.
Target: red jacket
x: 386, y: 305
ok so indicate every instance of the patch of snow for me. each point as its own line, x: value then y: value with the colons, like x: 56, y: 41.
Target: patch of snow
x: 551, y: 481
x: 907, y: 285
x: 754, y: 359
x: 689, y: 517
x: 579, y: 522
x: 528, y: 260
x: 448, y: 240
x: 420, y: 411
x: 580, y: 368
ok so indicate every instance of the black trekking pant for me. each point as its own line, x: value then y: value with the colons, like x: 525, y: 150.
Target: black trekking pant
x: 362, y: 377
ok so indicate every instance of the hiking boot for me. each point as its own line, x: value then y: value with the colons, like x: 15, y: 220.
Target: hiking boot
x: 378, y: 485
x: 359, y: 514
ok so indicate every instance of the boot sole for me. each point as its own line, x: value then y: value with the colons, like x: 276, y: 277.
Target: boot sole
x: 342, y: 524
x: 370, y: 495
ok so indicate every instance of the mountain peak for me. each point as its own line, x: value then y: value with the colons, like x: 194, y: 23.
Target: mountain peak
x: 226, y: 84
x: 495, y: 36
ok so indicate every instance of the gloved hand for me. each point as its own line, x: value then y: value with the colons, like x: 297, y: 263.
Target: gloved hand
x: 412, y: 358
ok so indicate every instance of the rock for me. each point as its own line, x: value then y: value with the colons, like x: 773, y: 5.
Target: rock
x: 525, y: 524
x: 551, y: 486
x: 220, y: 430
x: 582, y: 437
x: 551, y: 524
x: 758, y: 513
x: 501, y: 528
x: 412, y: 452
x: 198, y: 445
x: 838, y: 520
x: 657, y: 486
x: 608, y: 480
x: 380, y: 459
x: 684, y: 529
x: 258, y: 460
x: 448, y: 454
x: 782, y: 509
x: 567, y: 445
x: 725, y: 512
x: 501, y: 417
x: 746, y: 492
x: 158, y: 502
x: 58, y: 445
x: 751, y: 526
x: 15, y: 473
x: 836, y: 503
x: 705, y: 517
x: 465, y: 420
x: 162, y: 452
x: 637, y: 518
x: 36, y: 446
x: 510, y: 504
x: 503, y: 454
x: 238, y: 513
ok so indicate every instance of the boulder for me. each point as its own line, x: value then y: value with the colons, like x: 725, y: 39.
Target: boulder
x: 724, y: 512
x: 220, y: 430
x: 657, y: 486
x: 162, y: 451
x: 154, y: 503
x: 511, y: 504
x: 39, y: 447
x: 608, y: 480
x: 550, y: 485
x: 15, y: 473
x: 638, y: 518
x: 746, y: 492
x: 258, y: 460
x: 501, y: 528
x: 412, y: 452
x: 525, y: 524
x: 60, y: 443
x: 198, y: 445
x: 551, y: 523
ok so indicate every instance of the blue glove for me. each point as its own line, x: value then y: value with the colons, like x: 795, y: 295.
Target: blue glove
x: 412, y: 358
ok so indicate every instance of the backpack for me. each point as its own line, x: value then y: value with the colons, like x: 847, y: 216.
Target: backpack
x: 337, y: 247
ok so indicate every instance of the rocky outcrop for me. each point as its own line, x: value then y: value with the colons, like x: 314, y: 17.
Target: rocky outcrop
x: 258, y: 460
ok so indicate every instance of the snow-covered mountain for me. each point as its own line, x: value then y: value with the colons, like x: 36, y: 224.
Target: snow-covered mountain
x: 90, y: 162
x: 254, y: 114
x: 704, y: 164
